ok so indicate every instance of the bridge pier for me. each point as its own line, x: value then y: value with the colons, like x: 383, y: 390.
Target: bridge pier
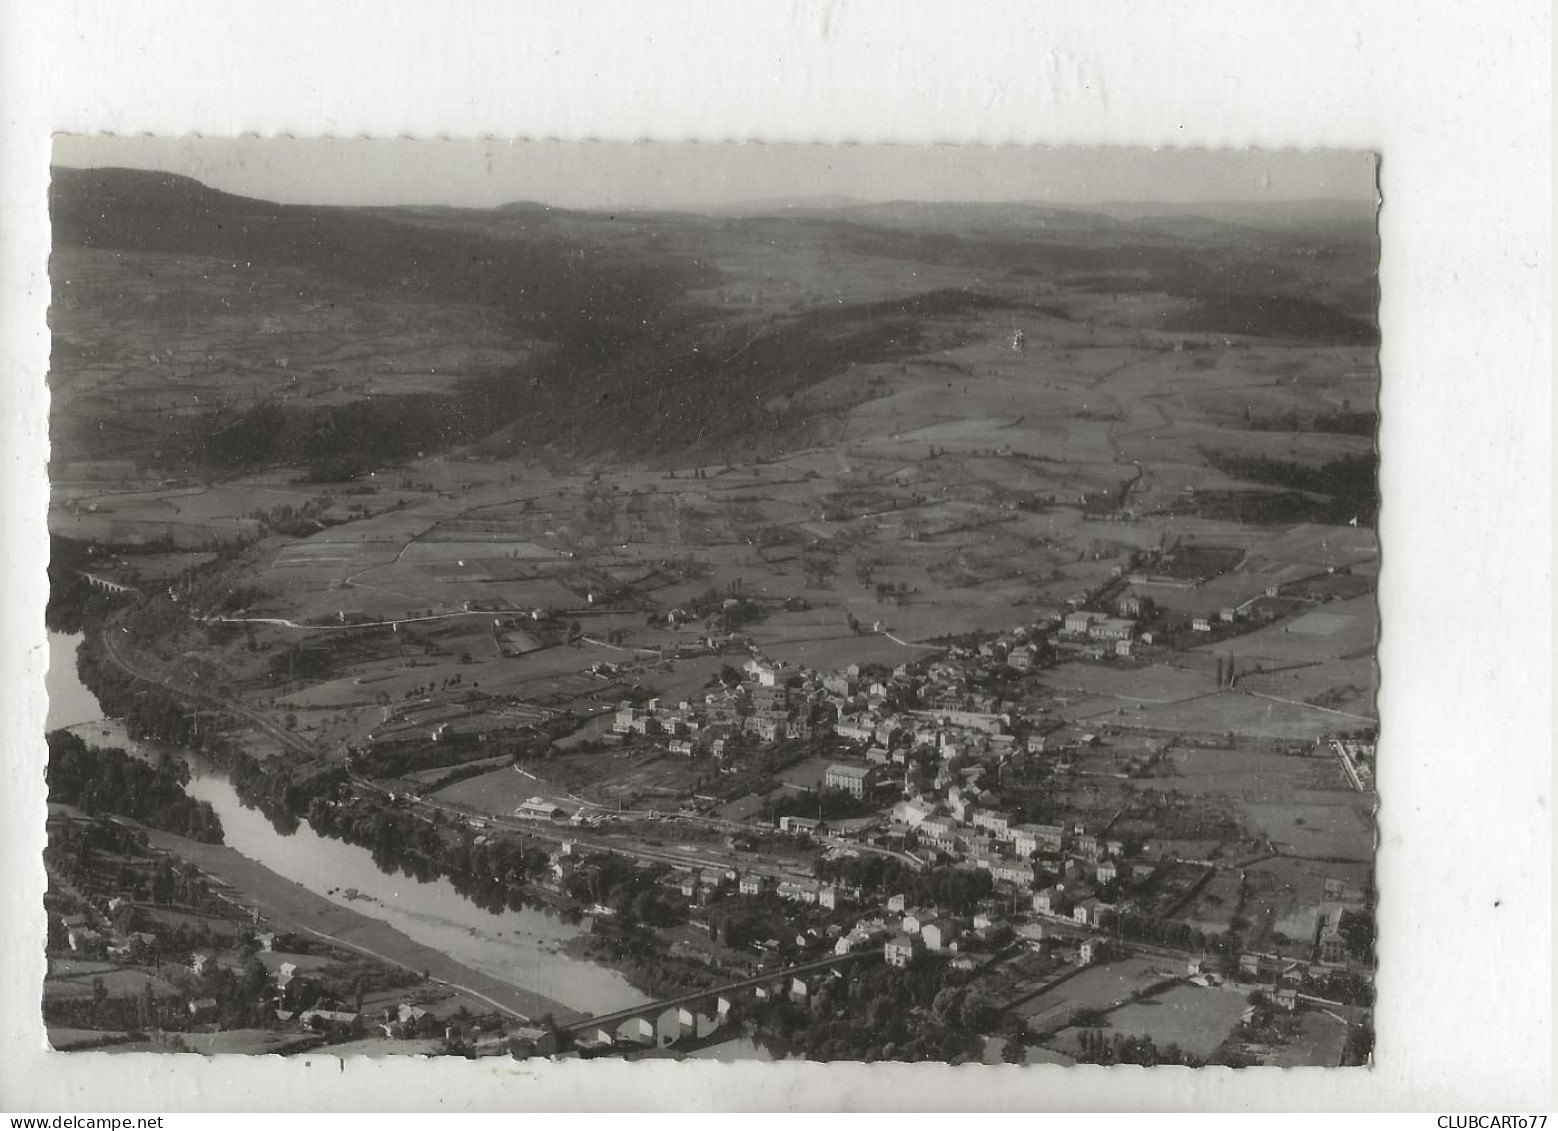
x: 798, y: 983
x: 105, y: 585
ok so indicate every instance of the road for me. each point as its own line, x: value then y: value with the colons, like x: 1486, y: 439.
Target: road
x: 283, y: 622
x: 286, y: 738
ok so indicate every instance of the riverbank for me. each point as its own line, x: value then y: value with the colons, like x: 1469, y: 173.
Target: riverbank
x: 293, y: 907
x: 648, y: 968
x: 493, y: 957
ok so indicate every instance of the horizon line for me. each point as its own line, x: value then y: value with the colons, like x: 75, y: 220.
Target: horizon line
x: 776, y: 205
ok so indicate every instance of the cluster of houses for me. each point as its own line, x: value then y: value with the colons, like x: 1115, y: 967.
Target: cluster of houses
x: 938, y: 705
x: 920, y: 931
x: 92, y: 936
x: 933, y: 713
x: 880, y: 709
x: 905, y: 932
x: 932, y: 745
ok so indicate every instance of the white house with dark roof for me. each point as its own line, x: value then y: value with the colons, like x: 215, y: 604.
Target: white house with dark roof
x: 902, y: 950
x: 854, y: 780
x: 1052, y: 901
x: 914, y: 919
x: 1077, y: 623
x: 939, y: 935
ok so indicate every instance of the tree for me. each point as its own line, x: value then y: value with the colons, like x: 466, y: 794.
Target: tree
x: 146, y: 1006
x: 1360, y: 1044
x: 99, y: 994
x: 977, y: 1012
x: 1357, y: 927
x: 162, y: 883
x: 255, y: 978
x: 947, y: 1004
x: 647, y: 907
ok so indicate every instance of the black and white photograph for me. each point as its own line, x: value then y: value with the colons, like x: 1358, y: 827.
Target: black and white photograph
x: 726, y: 602
x: 846, y: 561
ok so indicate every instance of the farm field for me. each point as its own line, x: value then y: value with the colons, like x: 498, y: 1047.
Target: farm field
x: 1319, y: 1041
x: 1343, y: 829
x: 1341, y: 630
x: 1096, y: 987
x: 1243, y: 771
x: 117, y: 981
x: 1301, y: 804
x: 1250, y: 715
x: 1158, y: 683
x: 1195, y: 1019
x: 1348, y: 685
x: 240, y: 1042
x: 499, y: 790
x: 1217, y: 903
x: 807, y: 774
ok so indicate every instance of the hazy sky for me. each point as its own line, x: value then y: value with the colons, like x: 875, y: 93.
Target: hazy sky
x: 662, y: 175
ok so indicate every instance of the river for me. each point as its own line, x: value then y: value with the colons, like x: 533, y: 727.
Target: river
x: 70, y: 703
x: 519, y: 947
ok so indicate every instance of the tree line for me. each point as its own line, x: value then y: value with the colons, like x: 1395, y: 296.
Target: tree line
x: 1098, y: 1047
x: 1351, y: 482
x: 107, y: 780
x: 926, y: 1012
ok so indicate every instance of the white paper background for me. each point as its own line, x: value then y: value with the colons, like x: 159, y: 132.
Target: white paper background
x: 1455, y: 97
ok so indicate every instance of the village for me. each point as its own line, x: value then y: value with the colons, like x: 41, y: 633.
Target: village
x: 938, y: 813
x: 925, y: 769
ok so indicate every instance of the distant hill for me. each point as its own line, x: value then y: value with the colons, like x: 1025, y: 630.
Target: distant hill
x: 627, y: 358
x: 1348, y: 218
x: 531, y: 274
x: 928, y: 214
x: 987, y: 216
x: 137, y: 209
x: 642, y: 332
x: 767, y: 206
x: 1344, y: 217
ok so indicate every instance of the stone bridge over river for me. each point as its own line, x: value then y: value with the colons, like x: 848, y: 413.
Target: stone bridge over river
x: 107, y: 586
x: 797, y: 982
